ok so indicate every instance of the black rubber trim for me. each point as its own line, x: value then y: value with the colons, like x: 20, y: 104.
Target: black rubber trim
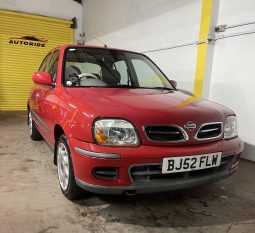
x: 150, y: 187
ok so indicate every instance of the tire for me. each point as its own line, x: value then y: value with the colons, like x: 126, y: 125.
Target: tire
x: 33, y: 131
x: 66, y: 176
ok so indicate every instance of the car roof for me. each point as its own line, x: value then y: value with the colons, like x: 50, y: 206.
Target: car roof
x: 64, y: 46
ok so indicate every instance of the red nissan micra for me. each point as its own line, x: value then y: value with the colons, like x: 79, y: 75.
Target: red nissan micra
x: 117, y: 124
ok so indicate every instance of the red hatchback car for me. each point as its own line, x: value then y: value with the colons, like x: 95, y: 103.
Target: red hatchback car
x: 117, y: 125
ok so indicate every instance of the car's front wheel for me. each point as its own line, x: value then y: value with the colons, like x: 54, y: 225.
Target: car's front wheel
x: 65, y: 171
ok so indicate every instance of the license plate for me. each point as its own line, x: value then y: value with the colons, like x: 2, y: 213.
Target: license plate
x: 191, y: 163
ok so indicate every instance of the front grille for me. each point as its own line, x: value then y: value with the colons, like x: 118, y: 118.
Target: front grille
x: 209, y: 131
x: 166, y: 133
x: 153, y: 172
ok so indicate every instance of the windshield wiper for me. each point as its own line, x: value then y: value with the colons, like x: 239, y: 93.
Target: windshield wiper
x: 163, y: 88
x: 139, y: 87
x: 158, y: 88
x: 123, y: 86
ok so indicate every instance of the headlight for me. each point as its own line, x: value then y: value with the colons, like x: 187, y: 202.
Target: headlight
x: 115, y: 132
x: 230, y: 128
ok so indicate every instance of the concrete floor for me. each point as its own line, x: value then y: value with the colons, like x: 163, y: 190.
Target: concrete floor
x: 31, y: 201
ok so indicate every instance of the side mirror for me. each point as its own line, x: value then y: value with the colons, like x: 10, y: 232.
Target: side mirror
x: 42, y: 78
x: 173, y: 83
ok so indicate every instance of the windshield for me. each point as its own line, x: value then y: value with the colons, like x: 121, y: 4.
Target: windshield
x: 92, y: 67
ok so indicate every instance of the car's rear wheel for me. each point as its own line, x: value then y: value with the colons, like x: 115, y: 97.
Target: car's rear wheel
x: 33, y: 131
x: 65, y: 171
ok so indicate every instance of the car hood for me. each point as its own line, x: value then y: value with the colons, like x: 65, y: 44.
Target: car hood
x: 149, y: 106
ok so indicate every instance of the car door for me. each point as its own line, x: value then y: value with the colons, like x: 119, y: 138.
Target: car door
x: 36, y: 97
x: 49, y: 99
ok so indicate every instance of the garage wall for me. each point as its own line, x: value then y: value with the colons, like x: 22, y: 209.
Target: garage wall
x: 143, y: 25
x: 64, y: 9
x: 25, y: 39
x: 233, y: 72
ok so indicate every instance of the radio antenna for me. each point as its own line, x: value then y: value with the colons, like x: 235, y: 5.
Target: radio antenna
x: 100, y: 41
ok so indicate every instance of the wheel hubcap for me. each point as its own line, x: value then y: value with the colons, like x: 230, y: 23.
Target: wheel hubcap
x: 63, y: 166
x: 30, y: 123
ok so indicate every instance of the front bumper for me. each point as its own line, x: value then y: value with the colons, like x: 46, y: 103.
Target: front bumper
x: 125, y: 158
x: 140, y: 188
